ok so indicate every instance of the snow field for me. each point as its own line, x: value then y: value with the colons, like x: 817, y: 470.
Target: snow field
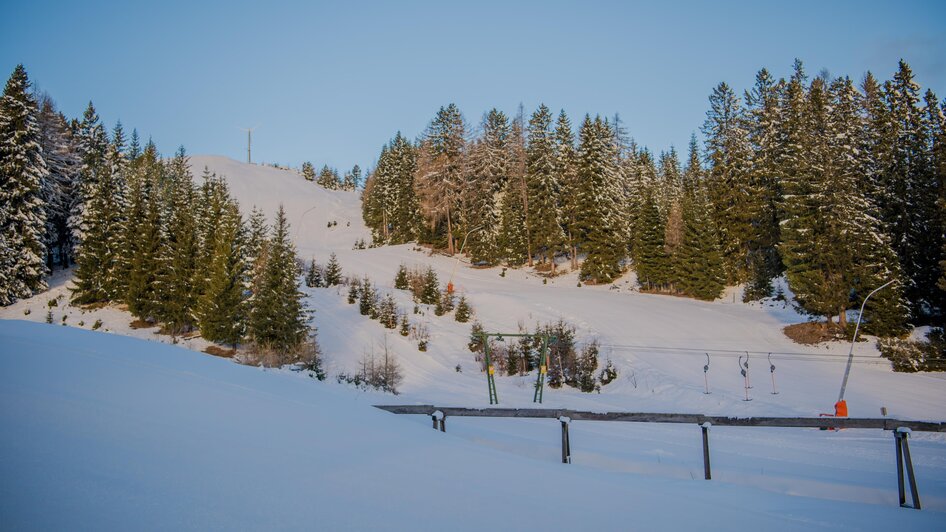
x: 108, y: 432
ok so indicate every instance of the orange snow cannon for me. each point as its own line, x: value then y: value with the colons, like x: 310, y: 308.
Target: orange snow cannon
x: 840, y: 408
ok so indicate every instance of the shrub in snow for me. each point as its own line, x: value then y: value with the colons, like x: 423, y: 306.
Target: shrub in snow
x: 908, y: 356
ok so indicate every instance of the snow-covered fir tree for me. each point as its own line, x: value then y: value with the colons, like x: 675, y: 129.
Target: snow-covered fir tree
x: 735, y: 200
x: 542, y: 187
x: 277, y: 319
x: 220, y: 308
x: 308, y: 171
x: 599, y: 223
x: 762, y: 115
x: 486, y: 181
x: 22, y: 212
x: 58, y: 191
x: 567, y: 177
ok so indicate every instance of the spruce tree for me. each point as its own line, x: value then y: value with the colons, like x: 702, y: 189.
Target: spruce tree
x: 487, y: 179
x: 542, y: 187
x: 368, y: 296
x: 401, y: 281
x: 735, y: 199
x: 177, y: 258
x: 308, y: 171
x: 908, y: 190
x: 762, y: 115
x: 699, y: 269
x: 220, y: 308
x: 430, y: 292
x: 652, y: 263
x: 464, y: 312
x: 143, y: 237
x: 328, y: 178
x: 567, y: 177
x: 313, y: 277
x: 277, y: 320
x: 100, y: 223
x: 58, y: 191
x: 333, y: 272
x: 22, y: 212
x: 601, y: 234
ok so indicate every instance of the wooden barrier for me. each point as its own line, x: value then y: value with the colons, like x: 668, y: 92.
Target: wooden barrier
x: 900, y: 428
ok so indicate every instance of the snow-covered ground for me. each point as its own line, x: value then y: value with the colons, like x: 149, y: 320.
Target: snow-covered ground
x: 111, y: 433
x: 841, y: 479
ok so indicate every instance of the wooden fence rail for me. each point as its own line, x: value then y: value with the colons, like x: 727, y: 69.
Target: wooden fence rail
x: 901, y: 428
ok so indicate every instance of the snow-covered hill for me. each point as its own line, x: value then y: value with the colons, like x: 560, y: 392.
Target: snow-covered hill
x: 110, y: 433
x: 656, y: 342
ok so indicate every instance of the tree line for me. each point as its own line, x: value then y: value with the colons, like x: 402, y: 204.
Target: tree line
x: 838, y: 187
x: 329, y: 177
x: 141, y: 232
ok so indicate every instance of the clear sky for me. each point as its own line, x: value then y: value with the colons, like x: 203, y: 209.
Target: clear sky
x: 332, y: 82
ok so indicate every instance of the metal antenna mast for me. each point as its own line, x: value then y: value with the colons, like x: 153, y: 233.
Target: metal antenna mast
x: 249, y: 142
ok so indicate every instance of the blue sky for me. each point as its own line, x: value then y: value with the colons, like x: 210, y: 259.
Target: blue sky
x: 332, y: 82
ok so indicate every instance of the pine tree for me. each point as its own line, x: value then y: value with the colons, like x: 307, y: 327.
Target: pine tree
x: 355, y: 175
x: 22, y: 212
x: 487, y: 179
x: 734, y: 198
x: 354, y: 289
x: 651, y: 262
x: 308, y: 171
x: 908, y: 190
x: 601, y: 235
x: 464, y: 312
x: 762, y: 115
x: 220, y: 308
x: 389, y: 201
x: 177, y: 257
x: 367, y: 302
x: 430, y: 293
x: 567, y: 177
x: 58, y: 191
x: 698, y: 268
x: 865, y: 256
x: 401, y: 281
x: 277, y: 320
x: 142, y: 238
x: 99, y: 226
x: 328, y: 178
x: 333, y: 272
x: 313, y: 277
x: 542, y: 187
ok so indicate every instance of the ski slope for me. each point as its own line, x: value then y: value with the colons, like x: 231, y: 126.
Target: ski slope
x: 107, y: 432
x: 776, y: 478
x: 657, y: 342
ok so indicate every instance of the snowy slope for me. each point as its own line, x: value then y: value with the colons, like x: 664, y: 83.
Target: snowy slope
x: 212, y: 408
x: 657, y: 342
x: 106, y: 432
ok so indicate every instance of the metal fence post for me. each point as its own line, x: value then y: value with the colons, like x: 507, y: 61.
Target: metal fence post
x: 706, y: 457
x: 902, y: 435
x: 566, y: 445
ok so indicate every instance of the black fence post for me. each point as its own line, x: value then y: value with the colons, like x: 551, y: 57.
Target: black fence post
x: 902, y: 436
x: 706, y: 458
x: 566, y: 445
